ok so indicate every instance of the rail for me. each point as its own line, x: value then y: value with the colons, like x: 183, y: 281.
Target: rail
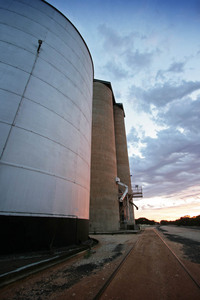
x: 117, y: 270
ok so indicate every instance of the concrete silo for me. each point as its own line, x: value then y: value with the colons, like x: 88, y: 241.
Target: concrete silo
x: 104, y: 206
x: 123, y: 170
x: 45, y: 127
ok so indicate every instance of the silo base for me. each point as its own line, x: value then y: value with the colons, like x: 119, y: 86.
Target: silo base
x: 19, y: 234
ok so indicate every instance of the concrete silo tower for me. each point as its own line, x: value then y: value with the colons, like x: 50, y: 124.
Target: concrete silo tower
x: 123, y: 170
x: 104, y: 205
x: 111, y: 207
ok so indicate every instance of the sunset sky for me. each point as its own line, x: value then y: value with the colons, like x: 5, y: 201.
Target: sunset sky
x: 150, y: 52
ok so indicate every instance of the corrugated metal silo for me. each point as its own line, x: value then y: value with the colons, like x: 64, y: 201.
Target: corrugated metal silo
x: 45, y: 127
x: 123, y: 170
x: 104, y: 207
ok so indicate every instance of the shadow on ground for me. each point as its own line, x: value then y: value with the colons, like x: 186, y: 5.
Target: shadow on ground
x: 191, y: 248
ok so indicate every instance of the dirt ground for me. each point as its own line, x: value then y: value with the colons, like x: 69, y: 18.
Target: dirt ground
x: 80, y: 277
x: 185, y: 245
x: 150, y: 272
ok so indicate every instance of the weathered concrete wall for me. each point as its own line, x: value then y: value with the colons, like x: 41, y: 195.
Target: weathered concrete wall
x: 104, y: 207
x: 123, y: 169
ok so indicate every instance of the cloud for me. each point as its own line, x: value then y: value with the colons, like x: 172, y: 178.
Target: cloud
x: 169, y: 165
x: 123, y: 60
x: 133, y: 136
x: 116, y: 70
x: 128, y: 63
x: 175, y: 67
x: 183, y: 114
x: 138, y: 60
x: 121, y: 48
x: 162, y: 94
x: 113, y: 41
x: 169, y: 209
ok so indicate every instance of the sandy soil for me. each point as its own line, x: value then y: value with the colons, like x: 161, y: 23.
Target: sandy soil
x: 77, y: 278
x: 185, y: 242
x: 150, y: 271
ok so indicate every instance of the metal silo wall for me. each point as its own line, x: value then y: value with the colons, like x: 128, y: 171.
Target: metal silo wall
x: 123, y: 170
x: 45, y: 125
x: 104, y: 208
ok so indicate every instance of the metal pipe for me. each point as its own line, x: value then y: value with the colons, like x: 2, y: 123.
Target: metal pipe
x: 135, y: 206
x: 117, y: 179
x: 128, y: 212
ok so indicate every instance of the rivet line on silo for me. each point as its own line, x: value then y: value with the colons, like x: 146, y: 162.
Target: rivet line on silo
x: 22, y: 97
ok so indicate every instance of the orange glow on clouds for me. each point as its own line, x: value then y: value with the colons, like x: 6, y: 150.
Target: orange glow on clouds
x: 170, y: 213
x: 170, y: 208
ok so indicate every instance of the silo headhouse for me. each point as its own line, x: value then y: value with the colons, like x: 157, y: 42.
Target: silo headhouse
x: 46, y: 87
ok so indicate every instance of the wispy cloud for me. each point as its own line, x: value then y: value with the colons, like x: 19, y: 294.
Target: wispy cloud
x: 116, y: 70
x: 138, y: 60
x: 113, y: 40
x: 183, y: 114
x: 162, y: 94
x: 170, y: 162
x: 124, y: 58
x: 175, y: 68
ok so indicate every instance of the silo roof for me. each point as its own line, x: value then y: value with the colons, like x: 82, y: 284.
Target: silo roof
x: 109, y: 85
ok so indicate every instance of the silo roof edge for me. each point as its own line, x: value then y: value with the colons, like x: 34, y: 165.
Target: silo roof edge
x: 74, y: 28
x: 120, y: 105
x: 109, y: 85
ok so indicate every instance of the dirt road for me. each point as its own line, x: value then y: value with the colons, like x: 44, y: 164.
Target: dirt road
x: 151, y: 272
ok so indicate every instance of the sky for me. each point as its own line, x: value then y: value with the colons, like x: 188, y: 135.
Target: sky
x: 150, y: 52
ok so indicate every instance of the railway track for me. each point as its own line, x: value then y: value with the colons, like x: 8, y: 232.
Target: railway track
x: 180, y: 262
x: 149, y: 270
x: 112, y: 276
x: 40, y: 264
x: 110, y: 288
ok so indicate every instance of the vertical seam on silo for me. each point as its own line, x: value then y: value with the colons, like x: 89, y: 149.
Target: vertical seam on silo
x: 22, y: 97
